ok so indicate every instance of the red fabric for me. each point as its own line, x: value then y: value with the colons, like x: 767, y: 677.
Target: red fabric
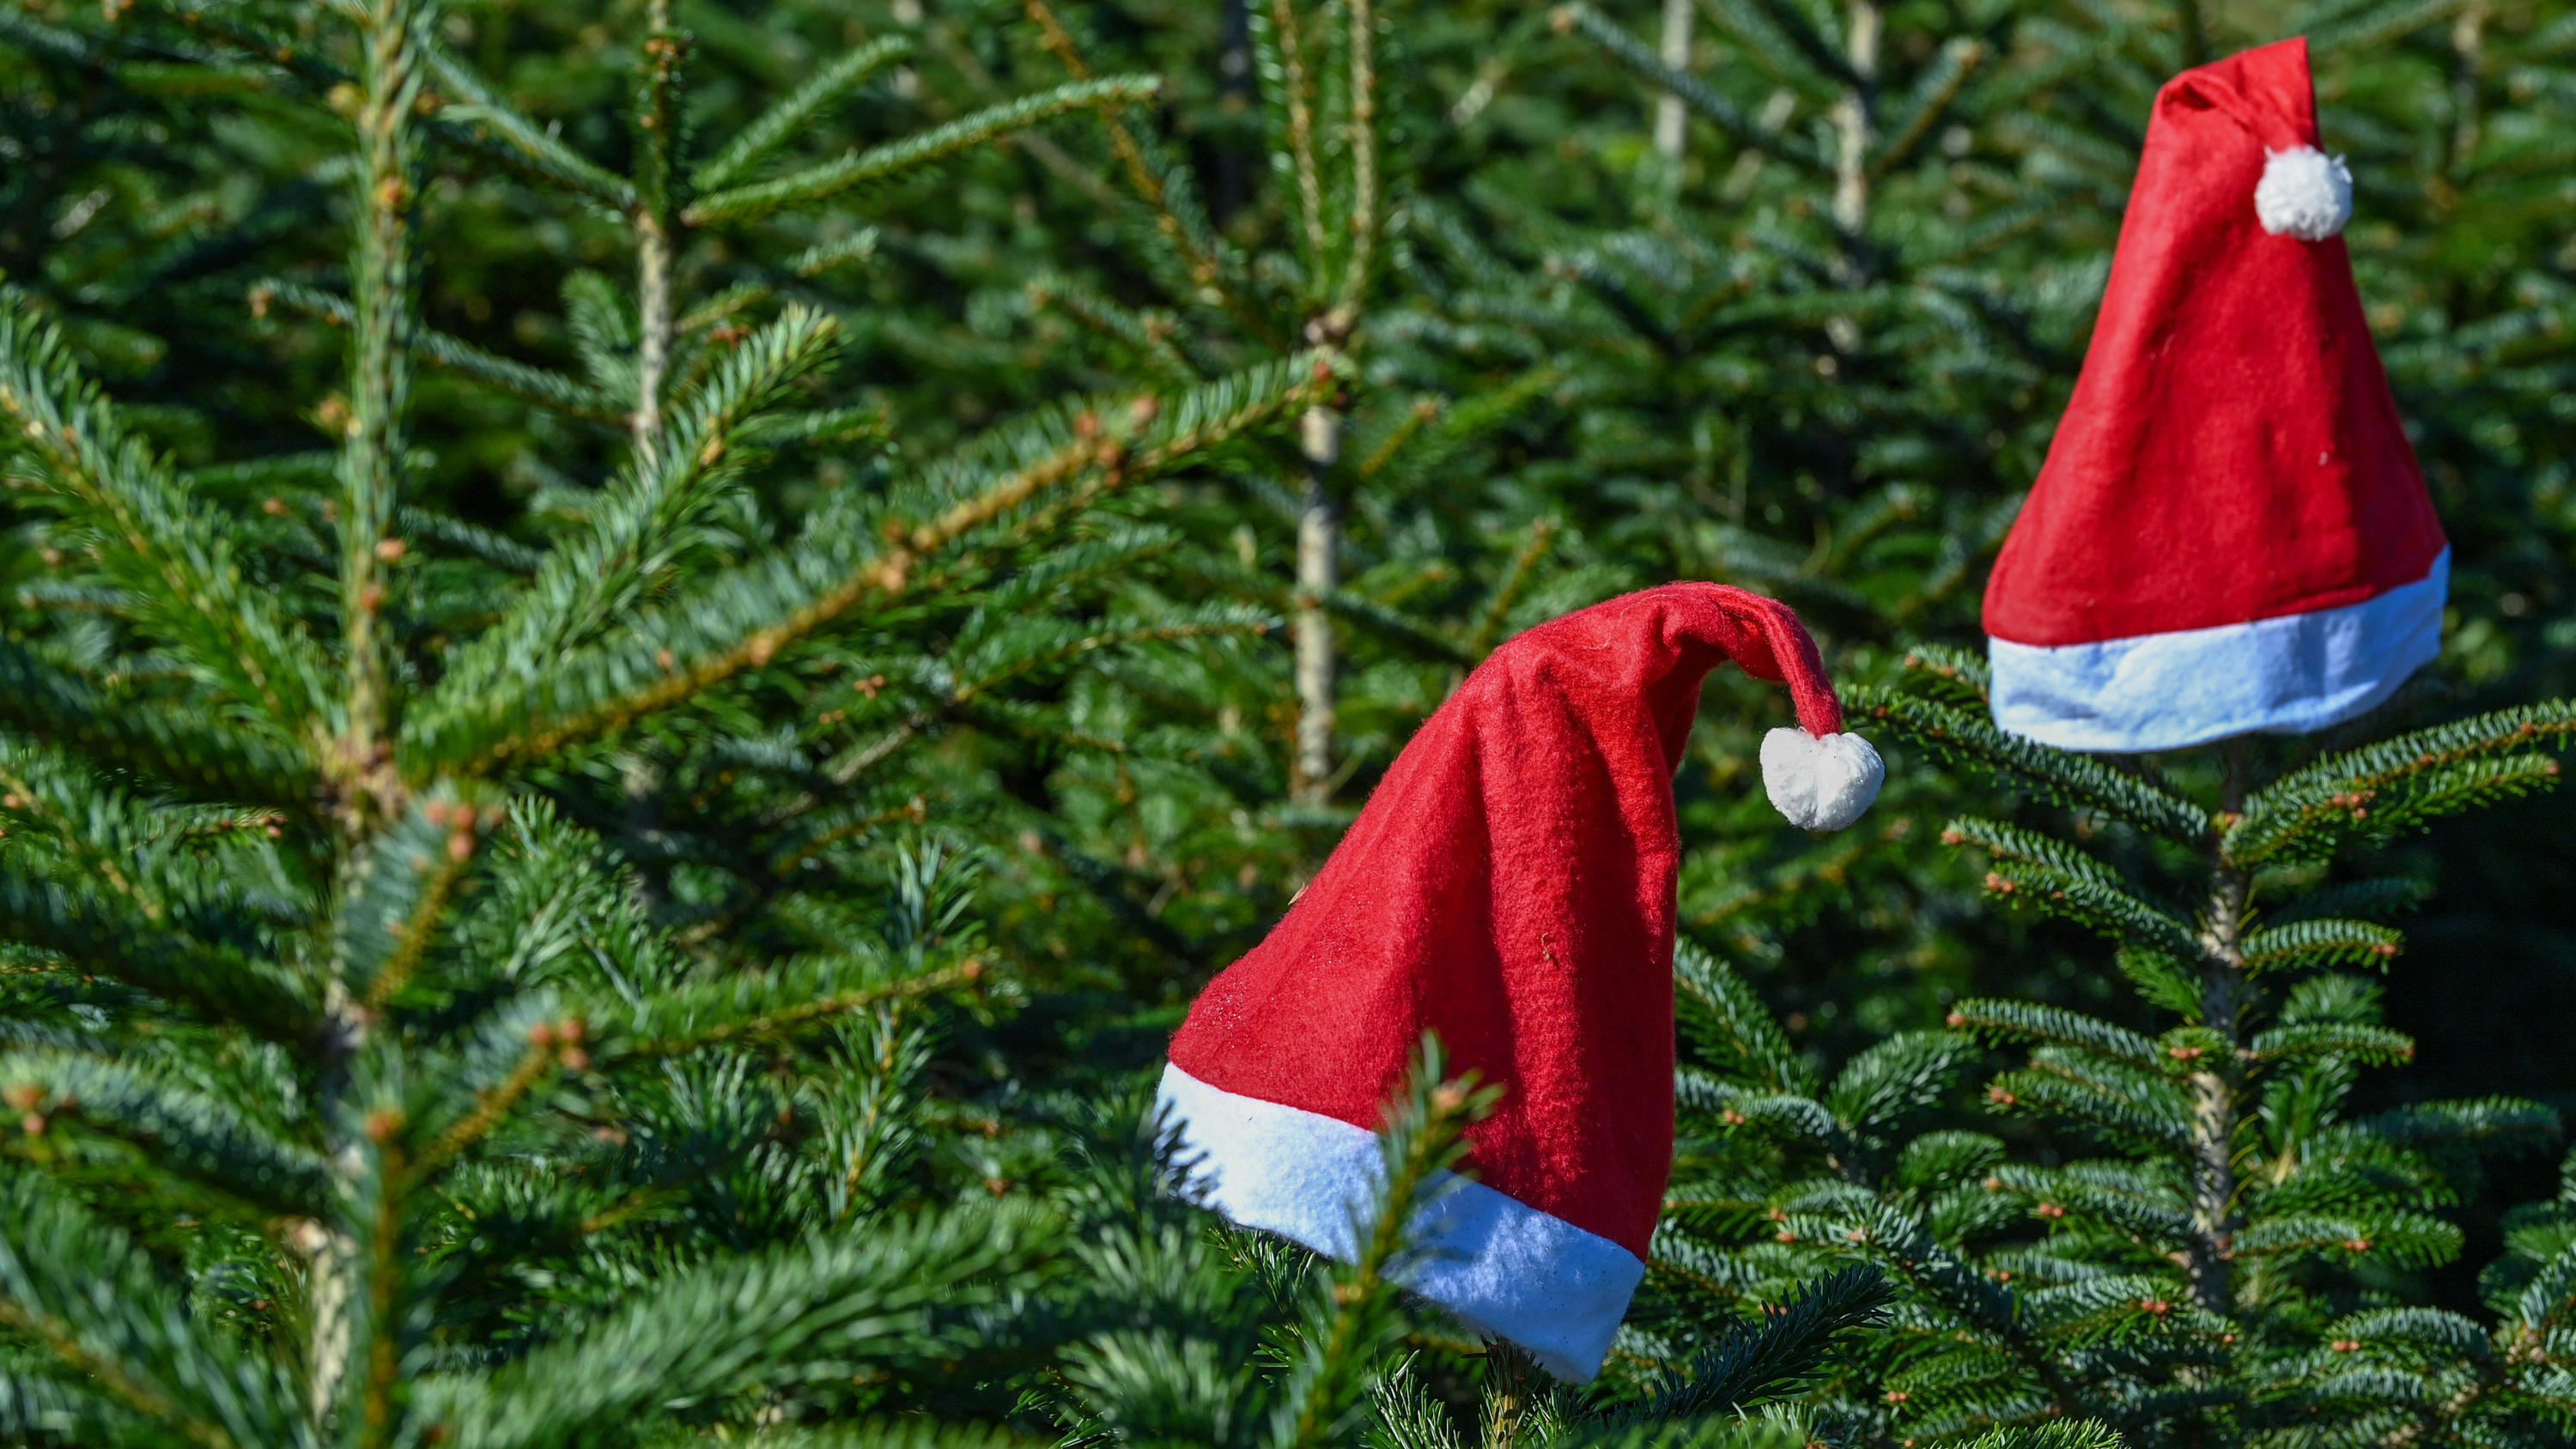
x: 1510, y: 886
x: 2231, y: 452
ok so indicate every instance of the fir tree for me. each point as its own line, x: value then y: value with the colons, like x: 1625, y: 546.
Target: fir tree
x: 363, y: 1095
x: 804, y: 500
x: 2207, y: 1244
x: 453, y: 998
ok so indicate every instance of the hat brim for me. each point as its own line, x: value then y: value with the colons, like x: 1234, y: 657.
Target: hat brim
x: 2286, y: 675
x: 1500, y: 1265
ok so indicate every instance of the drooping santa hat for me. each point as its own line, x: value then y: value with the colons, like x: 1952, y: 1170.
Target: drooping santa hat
x: 1509, y: 886
x: 2230, y: 534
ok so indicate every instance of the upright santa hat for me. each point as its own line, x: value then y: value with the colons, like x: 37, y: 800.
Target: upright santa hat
x: 1510, y: 887
x: 2230, y: 533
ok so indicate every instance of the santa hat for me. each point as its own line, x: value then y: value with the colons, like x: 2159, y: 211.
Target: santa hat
x: 1510, y: 887
x: 2230, y: 533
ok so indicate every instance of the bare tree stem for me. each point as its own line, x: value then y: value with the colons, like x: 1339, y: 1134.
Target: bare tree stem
x: 1318, y: 540
x: 656, y: 222
x: 1855, y: 118
x: 385, y: 315
x: 2212, y: 1088
x: 1672, y: 121
x: 653, y: 327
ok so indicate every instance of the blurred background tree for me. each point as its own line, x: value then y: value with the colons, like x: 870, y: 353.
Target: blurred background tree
x: 1549, y: 303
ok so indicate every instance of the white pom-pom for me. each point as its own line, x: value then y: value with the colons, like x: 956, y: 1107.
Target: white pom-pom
x: 2304, y: 193
x: 1821, y: 782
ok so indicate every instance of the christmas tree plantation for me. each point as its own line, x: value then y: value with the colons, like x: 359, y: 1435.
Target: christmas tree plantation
x: 647, y: 646
x: 2210, y: 1244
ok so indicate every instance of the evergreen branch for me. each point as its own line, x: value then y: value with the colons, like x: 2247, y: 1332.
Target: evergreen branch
x: 2033, y: 1021
x: 816, y: 428
x: 1935, y: 90
x: 1813, y: 59
x: 184, y: 1130
x: 2435, y: 1327
x: 908, y: 1431
x: 2115, y: 913
x: 755, y: 1007
x: 48, y: 1404
x: 2012, y: 843
x: 459, y: 105
x: 2500, y: 1123
x: 1633, y: 55
x: 748, y: 617
x: 1762, y: 1359
x: 1900, y: 1245
x: 2470, y: 785
x: 1707, y: 1270
x: 393, y: 895
x: 493, y: 1103
x: 92, y: 1298
x: 2381, y: 26
x: 2170, y: 982
x: 1148, y: 336
x: 2135, y: 1202
x: 851, y: 825
x: 1905, y: 1073
x: 986, y: 677
x: 901, y: 1292
x: 93, y: 828
x: 2377, y: 1045
x: 1776, y: 1112
x: 758, y: 199
x: 638, y: 528
x: 1464, y: 423
x: 2340, y: 790
x: 778, y: 125
x: 2548, y: 1301
x: 2320, y: 943
x: 222, y: 982
x: 2376, y: 896
x: 517, y: 379
x: 823, y: 256
x: 189, y: 747
x: 470, y: 106
x: 466, y: 538
x: 1408, y: 427
x: 2123, y: 1101
x: 2058, y: 775
x: 1179, y: 222
x: 1507, y: 591
x: 2395, y: 1237
x: 225, y: 25
x: 312, y: 468
x: 68, y: 47
x: 1393, y: 626
x: 170, y: 556
x: 1352, y: 1315
x: 2056, y: 1434
x: 1724, y: 1018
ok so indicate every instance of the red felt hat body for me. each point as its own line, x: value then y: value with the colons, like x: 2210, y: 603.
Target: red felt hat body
x: 1509, y: 886
x: 2231, y: 455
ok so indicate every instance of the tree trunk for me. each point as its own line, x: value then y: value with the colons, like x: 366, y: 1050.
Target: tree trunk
x: 1319, y: 527
x: 1672, y: 122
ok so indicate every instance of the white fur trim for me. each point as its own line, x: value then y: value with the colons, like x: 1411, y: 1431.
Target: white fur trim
x: 1502, y: 1266
x: 2304, y: 193
x: 2288, y: 675
x: 1821, y: 782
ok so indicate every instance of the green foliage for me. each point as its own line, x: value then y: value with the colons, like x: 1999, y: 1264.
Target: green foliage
x: 643, y: 650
